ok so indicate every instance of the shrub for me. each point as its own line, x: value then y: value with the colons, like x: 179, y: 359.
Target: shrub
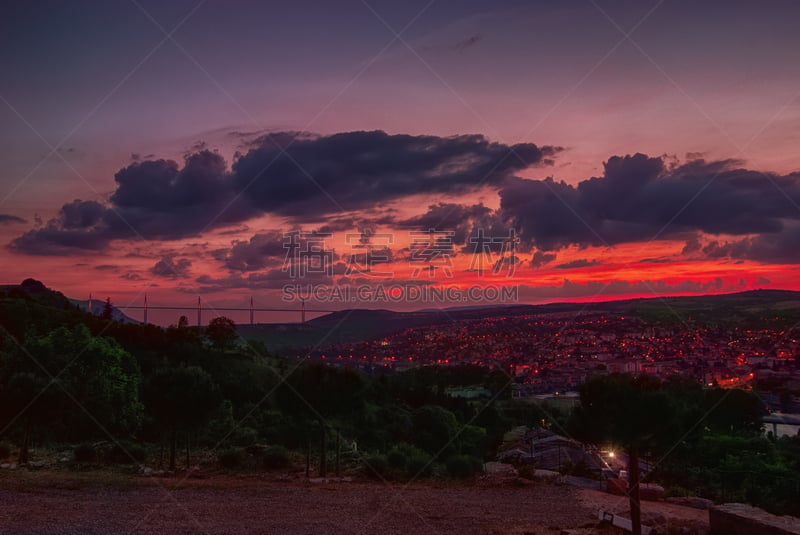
x: 231, y: 458
x: 527, y: 471
x: 276, y: 457
x: 409, y: 459
x: 126, y: 453
x: 376, y: 466
x: 85, y: 453
x: 244, y: 436
x: 396, y: 459
x: 5, y: 450
x: 463, y: 466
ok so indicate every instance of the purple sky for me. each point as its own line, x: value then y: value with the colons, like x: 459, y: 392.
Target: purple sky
x: 89, y: 88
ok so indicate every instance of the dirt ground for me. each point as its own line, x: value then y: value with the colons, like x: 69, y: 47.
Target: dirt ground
x: 656, y: 514
x: 57, y: 504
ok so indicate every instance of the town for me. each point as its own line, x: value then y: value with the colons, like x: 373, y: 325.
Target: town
x: 548, y: 354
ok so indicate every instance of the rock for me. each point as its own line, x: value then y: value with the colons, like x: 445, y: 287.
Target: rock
x: 146, y: 471
x: 64, y: 459
x: 5, y: 465
x: 547, y: 475
x: 195, y: 473
x: 503, y: 469
x: 37, y: 464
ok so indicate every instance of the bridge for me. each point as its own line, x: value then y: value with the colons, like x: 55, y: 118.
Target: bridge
x: 252, y: 309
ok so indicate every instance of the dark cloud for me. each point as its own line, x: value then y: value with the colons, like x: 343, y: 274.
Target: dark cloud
x: 459, y: 218
x: 57, y: 239
x: 271, y: 279
x: 363, y: 261
x: 154, y: 199
x: 780, y: 248
x: 7, y: 219
x: 169, y: 267
x: 541, y: 258
x: 639, y: 198
x: 356, y: 170
x: 470, y: 41
x: 254, y: 254
x: 162, y: 201
x: 313, y: 178
x: 81, y: 214
x: 576, y: 264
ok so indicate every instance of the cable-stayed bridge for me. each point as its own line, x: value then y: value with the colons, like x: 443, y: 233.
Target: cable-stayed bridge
x: 200, y: 308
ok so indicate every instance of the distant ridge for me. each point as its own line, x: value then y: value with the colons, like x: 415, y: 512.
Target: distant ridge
x: 40, y: 293
x: 364, y: 324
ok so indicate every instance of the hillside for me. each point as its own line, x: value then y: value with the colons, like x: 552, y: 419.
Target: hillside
x: 751, y: 307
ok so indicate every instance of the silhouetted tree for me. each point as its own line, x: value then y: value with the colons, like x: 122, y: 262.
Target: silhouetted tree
x: 73, y: 385
x: 221, y: 331
x: 322, y: 393
x: 181, y: 398
x: 108, y: 310
x: 636, y: 413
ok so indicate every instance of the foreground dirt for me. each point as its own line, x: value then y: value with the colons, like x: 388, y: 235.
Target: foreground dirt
x: 99, y: 502
x: 667, y: 517
x: 291, y: 507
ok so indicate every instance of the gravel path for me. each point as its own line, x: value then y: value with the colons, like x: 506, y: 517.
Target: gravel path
x: 293, y: 508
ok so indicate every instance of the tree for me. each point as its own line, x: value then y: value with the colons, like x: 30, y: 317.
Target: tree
x: 435, y: 430
x: 734, y: 411
x: 180, y: 399
x: 322, y: 393
x: 221, y: 331
x: 636, y: 413
x: 183, y: 322
x: 72, y: 385
x: 108, y: 310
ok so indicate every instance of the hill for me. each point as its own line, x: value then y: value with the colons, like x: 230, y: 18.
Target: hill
x: 43, y: 302
x: 751, y: 307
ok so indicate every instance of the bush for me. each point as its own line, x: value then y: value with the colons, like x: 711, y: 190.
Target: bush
x: 244, y: 436
x: 376, y: 466
x: 396, y: 459
x: 276, y: 457
x: 126, y: 453
x: 527, y: 471
x: 231, y: 458
x: 5, y: 450
x: 409, y: 459
x: 463, y: 466
x: 85, y: 453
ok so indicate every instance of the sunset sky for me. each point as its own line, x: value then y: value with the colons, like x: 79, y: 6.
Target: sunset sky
x: 626, y: 148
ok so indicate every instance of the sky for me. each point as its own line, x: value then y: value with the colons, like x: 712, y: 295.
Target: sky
x: 279, y: 151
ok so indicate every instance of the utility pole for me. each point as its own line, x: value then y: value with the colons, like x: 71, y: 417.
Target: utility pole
x: 199, y: 313
x: 252, y: 315
x: 145, y: 309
